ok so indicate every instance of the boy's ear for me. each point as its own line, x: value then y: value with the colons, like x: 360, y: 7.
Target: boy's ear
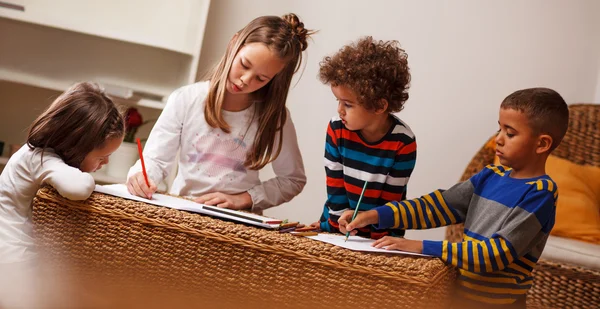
x: 383, y: 107
x: 544, y: 143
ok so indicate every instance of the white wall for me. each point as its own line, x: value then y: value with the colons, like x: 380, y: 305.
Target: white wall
x: 465, y: 57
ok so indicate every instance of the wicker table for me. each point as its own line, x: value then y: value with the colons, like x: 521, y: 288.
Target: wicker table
x: 150, y: 255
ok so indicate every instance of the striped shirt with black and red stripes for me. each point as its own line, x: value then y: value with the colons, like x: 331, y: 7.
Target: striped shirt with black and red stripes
x: 350, y: 161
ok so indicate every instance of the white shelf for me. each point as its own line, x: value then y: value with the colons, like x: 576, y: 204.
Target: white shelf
x: 147, y: 71
x: 169, y: 25
x: 60, y: 86
x: 36, y: 81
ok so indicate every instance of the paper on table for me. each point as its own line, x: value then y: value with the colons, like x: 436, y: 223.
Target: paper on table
x: 357, y: 243
x: 120, y: 190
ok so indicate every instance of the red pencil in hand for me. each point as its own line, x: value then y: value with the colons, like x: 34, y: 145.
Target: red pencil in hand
x: 142, y: 160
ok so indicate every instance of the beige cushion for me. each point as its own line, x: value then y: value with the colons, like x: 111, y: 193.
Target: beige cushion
x: 574, y: 252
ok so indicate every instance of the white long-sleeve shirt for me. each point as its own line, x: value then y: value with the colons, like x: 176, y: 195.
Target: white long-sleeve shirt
x: 20, y: 180
x: 211, y: 160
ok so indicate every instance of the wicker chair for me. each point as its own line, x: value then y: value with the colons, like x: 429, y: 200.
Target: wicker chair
x: 557, y: 285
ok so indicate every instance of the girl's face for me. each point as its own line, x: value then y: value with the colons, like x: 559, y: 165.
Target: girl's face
x: 94, y: 160
x: 252, y: 68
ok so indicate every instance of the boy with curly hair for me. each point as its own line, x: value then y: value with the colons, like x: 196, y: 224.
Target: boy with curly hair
x: 365, y: 142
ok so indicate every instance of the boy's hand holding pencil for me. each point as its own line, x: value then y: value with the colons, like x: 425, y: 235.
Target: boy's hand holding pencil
x: 362, y: 219
x: 355, y: 212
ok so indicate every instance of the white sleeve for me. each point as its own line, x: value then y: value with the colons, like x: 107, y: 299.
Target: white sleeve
x: 289, y: 170
x: 70, y: 182
x: 164, y: 140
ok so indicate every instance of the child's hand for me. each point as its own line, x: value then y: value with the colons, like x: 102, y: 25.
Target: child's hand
x: 396, y: 243
x: 136, y: 184
x: 231, y: 201
x: 362, y: 219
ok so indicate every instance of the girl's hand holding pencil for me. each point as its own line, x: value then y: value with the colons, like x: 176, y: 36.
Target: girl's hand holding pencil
x: 139, y: 184
x: 136, y: 185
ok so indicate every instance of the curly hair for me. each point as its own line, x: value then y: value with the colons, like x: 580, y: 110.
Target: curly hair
x: 374, y: 70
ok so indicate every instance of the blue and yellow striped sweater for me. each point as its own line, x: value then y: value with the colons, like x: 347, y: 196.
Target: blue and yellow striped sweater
x: 507, y: 222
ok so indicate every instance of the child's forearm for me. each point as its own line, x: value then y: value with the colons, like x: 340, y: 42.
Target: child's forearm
x: 491, y: 254
x: 429, y: 211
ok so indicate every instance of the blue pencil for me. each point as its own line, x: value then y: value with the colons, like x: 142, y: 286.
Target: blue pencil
x: 356, y: 209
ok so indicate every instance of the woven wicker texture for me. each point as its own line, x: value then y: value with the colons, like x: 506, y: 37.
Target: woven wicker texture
x: 220, y: 264
x: 581, y: 145
x: 557, y: 285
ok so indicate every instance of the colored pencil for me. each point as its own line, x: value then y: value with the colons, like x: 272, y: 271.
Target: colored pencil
x: 357, y: 206
x: 304, y: 233
x: 139, y: 144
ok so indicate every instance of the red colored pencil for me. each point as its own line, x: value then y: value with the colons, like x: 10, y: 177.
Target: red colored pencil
x: 142, y: 159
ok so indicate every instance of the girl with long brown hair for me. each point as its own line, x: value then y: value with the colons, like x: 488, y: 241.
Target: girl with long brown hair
x: 230, y: 126
x: 73, y: 137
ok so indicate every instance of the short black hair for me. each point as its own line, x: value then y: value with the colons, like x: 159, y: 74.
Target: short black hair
x: 546, y: 111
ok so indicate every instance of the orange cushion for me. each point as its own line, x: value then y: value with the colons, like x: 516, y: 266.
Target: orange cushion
x: 578, y: 208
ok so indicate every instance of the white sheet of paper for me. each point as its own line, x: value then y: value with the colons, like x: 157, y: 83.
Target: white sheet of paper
x: 120, y: 190
x: 357, y: 243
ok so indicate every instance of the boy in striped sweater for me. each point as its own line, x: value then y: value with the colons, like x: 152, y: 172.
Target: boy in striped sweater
x: 508, y: 210
x: 366, y: 142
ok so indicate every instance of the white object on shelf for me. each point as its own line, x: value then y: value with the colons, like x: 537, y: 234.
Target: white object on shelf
x: 122, y: 160
x: 151, y: 103
x: 101, y: 177
x: 117, y: 90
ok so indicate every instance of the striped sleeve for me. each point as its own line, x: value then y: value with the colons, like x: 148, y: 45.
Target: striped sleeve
x: 439, y: 208
x: 429, y: 211
x: 487, y: 255
x: 334, y: 170
x: 529, y: 222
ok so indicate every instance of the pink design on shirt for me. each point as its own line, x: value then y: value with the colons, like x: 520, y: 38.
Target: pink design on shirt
x: 218, y: 155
